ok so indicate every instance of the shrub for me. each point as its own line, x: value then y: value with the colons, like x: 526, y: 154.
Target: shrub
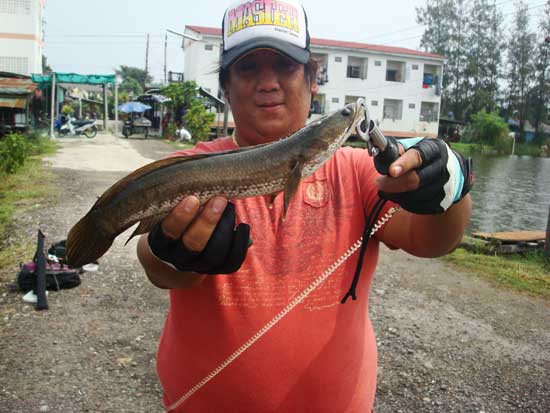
x: 197, y: 121
x: 14, y: 150
x: 490, y: 129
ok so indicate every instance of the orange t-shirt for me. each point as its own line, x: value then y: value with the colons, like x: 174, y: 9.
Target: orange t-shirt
x: 321, y: 357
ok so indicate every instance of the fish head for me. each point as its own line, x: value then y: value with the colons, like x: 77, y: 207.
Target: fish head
x: 325, y: 135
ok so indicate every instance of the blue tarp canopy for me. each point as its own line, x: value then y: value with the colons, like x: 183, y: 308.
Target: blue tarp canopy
x: 74, y: 78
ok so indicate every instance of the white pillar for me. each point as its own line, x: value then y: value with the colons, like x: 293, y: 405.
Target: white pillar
x: 116, y: 108
x: 52, y: 112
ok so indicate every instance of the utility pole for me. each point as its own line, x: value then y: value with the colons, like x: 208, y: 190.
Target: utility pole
x: 165, y: 55
x: 147, y: 57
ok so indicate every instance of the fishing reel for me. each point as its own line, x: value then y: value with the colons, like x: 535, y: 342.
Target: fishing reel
x: 384, y: 150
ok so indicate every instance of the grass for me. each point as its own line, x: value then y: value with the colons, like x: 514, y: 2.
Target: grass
x: 528, y: 273
x: 30, y: 187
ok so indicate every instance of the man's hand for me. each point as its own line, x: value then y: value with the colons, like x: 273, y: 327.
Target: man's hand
x: 201, y: 241
x: 428, y: 177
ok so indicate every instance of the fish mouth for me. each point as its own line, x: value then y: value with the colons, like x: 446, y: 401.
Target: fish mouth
x: 358, y: 108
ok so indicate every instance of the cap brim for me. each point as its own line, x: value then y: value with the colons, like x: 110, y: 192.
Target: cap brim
x: 296, y: 53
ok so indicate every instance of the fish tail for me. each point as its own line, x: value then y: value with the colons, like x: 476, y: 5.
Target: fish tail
x: 86, y: 242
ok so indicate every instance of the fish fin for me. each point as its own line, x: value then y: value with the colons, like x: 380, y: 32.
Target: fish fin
x: 146, y: 225
x: 86, y: 243
x: 292, y: 184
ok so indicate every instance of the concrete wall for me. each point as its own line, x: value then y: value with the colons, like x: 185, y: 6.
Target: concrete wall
x: 21, y: 36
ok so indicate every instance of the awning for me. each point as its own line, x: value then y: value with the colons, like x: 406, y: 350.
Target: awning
x: 74, y: 78
x: 13, y: 103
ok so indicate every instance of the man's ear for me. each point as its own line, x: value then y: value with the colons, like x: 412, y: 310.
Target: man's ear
x: 314, y: 87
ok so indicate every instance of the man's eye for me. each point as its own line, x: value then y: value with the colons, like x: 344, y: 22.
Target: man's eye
x: 287, y: 65
x: 246, y: 66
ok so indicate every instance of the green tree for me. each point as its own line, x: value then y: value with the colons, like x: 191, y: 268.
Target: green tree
x: 140, y: 75
x: 484, y: 60
x: 444, y: 34
x: 131, y: 86
x: 541, y: 90
x: 198, y: 120
x: 520, y: 68
x: 46, y: 68
x: 181, y: 94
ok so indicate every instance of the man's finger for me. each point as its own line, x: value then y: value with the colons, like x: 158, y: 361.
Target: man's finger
x: 409, y: 161
x: 199, y: 232
x: 404, y: 183
x: 180, y: 217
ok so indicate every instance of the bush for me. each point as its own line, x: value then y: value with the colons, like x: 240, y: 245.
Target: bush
x: 198, y: 120
x: 14, y: 150
x: 490, y: 129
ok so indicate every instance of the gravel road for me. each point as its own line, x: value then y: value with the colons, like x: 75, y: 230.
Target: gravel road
x: 447, y: 341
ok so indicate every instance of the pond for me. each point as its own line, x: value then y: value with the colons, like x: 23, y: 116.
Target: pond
x: 511, y: 193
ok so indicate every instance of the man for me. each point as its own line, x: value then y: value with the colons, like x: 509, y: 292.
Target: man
x: 231, y: 342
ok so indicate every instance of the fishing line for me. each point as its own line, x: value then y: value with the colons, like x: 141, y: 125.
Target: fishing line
x: 301, y: 297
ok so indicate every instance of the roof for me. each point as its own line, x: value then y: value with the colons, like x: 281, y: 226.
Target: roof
x: 212, y: 31
x: 16, y: 85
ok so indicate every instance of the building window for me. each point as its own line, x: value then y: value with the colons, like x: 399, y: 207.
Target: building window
x: 415, y: 67
x: 208, y: 47
x: 15, y: 6
x: 429, y: 111
x: 395, y: 71
x: 393, y: 109
x: 378, y: 62
x: 335, y: 100
x: 338, y: 59
x: 374, y: 103
x: 357, y: 68
x: 412, y: 106
x: 19, y: 65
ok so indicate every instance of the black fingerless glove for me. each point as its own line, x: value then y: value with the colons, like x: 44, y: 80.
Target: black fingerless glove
x: 224, y: 253
x: 445, y: 178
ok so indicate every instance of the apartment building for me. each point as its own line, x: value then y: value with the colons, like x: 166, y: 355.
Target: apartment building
x: 21, y: 36
x: 402, y: 87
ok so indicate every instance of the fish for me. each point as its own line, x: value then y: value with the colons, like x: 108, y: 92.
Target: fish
x: 149, y: 193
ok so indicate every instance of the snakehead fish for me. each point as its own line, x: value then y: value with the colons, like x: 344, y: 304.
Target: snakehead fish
x: 148, y: 194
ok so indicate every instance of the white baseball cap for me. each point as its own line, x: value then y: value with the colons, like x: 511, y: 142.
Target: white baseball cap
x: 270, y: 24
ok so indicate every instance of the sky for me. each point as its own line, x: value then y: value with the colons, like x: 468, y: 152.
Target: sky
x: 98, y: 36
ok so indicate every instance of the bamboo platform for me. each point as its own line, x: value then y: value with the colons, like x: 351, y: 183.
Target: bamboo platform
x: 501, y: 243
x: 511, y: 237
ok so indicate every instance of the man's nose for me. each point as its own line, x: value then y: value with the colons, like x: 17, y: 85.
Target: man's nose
x: 267, y: 78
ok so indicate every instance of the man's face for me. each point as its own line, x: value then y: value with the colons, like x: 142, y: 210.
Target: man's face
x: 269, y: 96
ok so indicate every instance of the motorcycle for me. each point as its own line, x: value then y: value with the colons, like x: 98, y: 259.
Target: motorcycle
x: 74, y: 127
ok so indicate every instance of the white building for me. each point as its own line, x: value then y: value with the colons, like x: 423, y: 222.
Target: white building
x: 401, y: 86
x: 21, y: 37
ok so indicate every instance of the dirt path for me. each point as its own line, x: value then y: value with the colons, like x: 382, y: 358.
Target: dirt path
x: 448, y: 342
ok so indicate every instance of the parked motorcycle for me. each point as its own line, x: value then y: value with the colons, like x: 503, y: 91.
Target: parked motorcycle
x: 74, y: 127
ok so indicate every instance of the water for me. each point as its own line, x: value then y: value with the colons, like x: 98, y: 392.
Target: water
x: 511, y: 193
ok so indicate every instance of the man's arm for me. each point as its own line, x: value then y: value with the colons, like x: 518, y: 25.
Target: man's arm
x: 423, y: 235
x: 428, y: 236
